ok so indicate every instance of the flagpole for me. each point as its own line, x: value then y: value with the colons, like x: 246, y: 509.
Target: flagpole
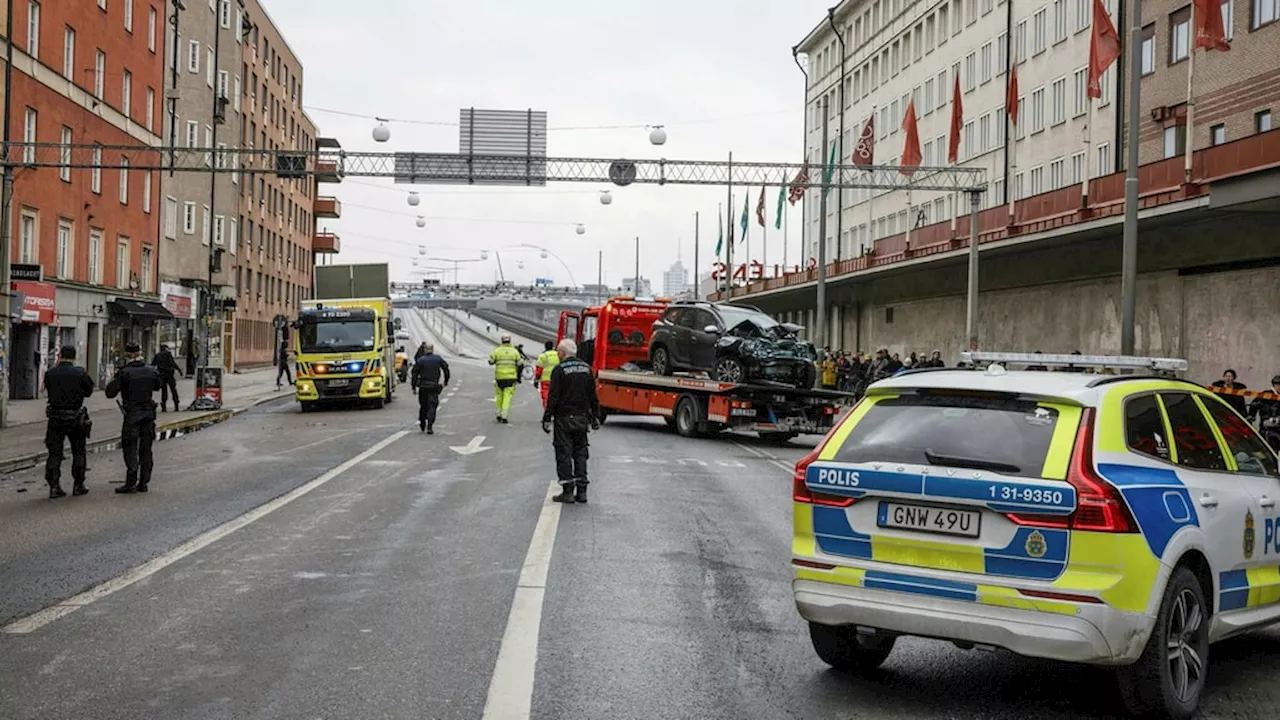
x: 696, y: 285
x: 820, y: 331
x: 871, y: 200
x: 728, y: 248
x: 786, y: 235
x: 909, y: 223
x: 1190, y: 132
x: 1088, y: 150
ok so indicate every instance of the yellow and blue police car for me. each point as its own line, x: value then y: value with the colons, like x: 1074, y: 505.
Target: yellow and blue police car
x: 1118, y: 520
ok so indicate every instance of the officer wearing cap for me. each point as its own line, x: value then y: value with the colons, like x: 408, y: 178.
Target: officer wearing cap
x: 136, y: 384
x: 67, y: 386
x: 506, y: 370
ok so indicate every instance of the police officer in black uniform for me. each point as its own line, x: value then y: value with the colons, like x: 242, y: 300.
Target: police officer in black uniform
x: 428, y: 370
x: 67, y: 386
x: 136, y: 384
x: 573, y: 407
x: 164, y: 364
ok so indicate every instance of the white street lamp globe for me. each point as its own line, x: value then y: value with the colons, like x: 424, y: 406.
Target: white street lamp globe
x: 415, y: 262
x: 543, y: 254
x: 484, y: 254
x: 658, y: 136
x: 422, y: 249
x: 581, y: 229
x: 421, y: 221
x: 605, y: 197
x: 520, y: 265
x: 381, y: 133
x: 414, y: 199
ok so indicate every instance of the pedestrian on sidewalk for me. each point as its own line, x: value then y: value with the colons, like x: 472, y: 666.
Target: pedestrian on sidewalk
x: 136, y: 384
x: 505, y: 360
x: 282, y: 361
x: 428, y: 371
x: 168, y: 369
x: 572, y: 408
x: 67, y: 386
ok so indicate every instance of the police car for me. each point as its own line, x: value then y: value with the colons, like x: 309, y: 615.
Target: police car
x: 1120, y: 520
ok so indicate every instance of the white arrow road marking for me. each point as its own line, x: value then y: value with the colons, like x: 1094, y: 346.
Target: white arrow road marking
x: 475, y: 446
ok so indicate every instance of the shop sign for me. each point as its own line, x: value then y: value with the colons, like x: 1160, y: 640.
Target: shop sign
x: 39, y: 302
x: 22, y: 272
x: 179, y: 300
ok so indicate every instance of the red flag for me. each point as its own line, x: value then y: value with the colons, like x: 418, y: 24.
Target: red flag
x: 864, y: 152
x: 1104, y: 48
x: 957, y: 121
x: 799, y: 185
x: 1210, y: 34
x: 760, y: 208
x: 911, y: 155
x: 1011, y: 102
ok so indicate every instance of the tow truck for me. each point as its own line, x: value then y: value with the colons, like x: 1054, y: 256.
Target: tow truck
x: 693, y: 406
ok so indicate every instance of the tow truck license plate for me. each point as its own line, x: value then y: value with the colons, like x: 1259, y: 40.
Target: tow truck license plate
x: 945, y: 521
x: 342, y: 382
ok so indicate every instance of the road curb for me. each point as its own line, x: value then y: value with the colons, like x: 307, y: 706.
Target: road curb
x: 166, y: 431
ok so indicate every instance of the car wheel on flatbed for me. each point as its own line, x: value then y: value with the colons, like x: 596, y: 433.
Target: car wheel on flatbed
x: 729, y: 370
x: 660, y: 360
x: 847, y: 650
x: 1168, y: 678
x: 686, y: 422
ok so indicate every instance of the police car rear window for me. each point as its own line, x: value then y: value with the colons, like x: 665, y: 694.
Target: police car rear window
x: 1008, y: 436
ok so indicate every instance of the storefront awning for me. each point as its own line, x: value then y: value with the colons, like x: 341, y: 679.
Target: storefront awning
x: 143, y: 310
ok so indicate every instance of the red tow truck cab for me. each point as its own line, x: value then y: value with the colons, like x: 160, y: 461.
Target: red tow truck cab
x: 692, y: 405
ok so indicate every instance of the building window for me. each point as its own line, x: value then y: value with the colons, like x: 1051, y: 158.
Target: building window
x: 126, y: 94
x: 1060, y: 29
x: 1039, y: 31
x: 65, y: 258
x: 1264, y: 12
x: 1104, y: 160
x: 1037, y: 180
x: 122, y: 262
x: 1149, y: 49
x: 970, y: 71
x: 64, y: 172
x: 171, y: 217
x: 984, y: 133
x: 193, y: 133
x: 224, y: 13
x: 1020, y: 42
x: 1002, y: 54
x: 968, y: 148
x: 102, y: 4
x: 1022, y: 117
x: 146, y: 191
x: 1000, y: 123
x: 1080, y: 88
x: 1179, y: 35
x: 986, y: 71
x: 151, y: 29
x: 1057, y: 174
x: 1059, y: 101
x: 1077, y: 168
x: 1019, y: 187
x: 193, y: 56
x: 210, y: 67
x: 1037, y: 110
x: 29, y: 136
x: 99, y: 73
x: 222, y: 83
x: 1174, y: 138
x: 69, y: 54
x: 208, y: 143
x: 1084, y: 15
x: 188, y: 218
x: 28, y: 244
x: 95, y: 256
x: 219, y: 226
x: 124, y: 180
x: 128, y: 15
x: 1262, y: 121
x: 146, y: 269
x: 33, y: 29
x: 1104, y: 86
x: 95, y: 175
x: 204, y: 226
x: 151, y: 108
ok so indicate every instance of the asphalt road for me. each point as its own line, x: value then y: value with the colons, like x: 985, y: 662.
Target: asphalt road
x: 385, y: 589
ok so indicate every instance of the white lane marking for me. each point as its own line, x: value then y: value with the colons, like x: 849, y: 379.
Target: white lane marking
x: 475, y: 446
x: 767, y: 456
x: 39, y: 619
x: 511, y: 687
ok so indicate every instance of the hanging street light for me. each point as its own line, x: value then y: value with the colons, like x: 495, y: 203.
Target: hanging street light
x: 484, y: 254
x: 381, y: 133
x: 415, y: 262
x: 420, y: 222
x: 658, y: 135
x: 605, y: 197
x: 543, y: 254
x: 414, y: 199
x: 580, y: 229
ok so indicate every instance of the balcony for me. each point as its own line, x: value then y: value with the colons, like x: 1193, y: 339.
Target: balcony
x: 326, y: 242
x: 327, y: 171
x: 328, y: 207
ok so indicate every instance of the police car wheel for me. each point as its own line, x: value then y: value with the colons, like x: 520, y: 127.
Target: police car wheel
x: 845, y: 649
x: 1166, y: 681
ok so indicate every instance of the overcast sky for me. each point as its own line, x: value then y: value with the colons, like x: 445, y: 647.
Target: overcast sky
x: 718, y: 74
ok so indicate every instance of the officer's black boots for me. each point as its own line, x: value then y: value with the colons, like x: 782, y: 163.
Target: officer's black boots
x: 127, y: 489
x: 566, y: 494
x: 56, y: 491
x: 79, y: 489
x: 142, y: 487
x: 582, y: 493
x: 422, y: 425
x: 431, y: 430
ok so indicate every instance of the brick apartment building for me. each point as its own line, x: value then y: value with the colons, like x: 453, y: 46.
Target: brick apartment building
x: 1235, y: 92
x: 84, y: 239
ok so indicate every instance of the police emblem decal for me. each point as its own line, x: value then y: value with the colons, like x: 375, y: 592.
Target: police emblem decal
x: 1036, y: 546
x: 1249, y: 535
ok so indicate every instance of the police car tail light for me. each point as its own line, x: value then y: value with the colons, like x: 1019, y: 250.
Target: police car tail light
x: 800, y: 491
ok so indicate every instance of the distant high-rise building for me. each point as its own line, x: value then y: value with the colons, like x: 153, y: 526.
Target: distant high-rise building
x: 675, y: 281
x: 642, y: 289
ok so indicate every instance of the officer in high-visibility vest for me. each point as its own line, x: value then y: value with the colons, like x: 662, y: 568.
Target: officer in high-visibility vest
x: 505, y: 360
x: 547, y: 362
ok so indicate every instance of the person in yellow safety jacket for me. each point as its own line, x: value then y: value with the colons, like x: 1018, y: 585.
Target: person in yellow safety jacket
x: 547, y: 362
x: 829, y: 375
x: 505, y: 360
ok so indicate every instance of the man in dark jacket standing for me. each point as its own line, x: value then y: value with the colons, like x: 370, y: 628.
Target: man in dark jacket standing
x: 136, y: 384
x: 168, y: 369
x: 428, y: 372
x: 67, y: 386
x: 573, y: 407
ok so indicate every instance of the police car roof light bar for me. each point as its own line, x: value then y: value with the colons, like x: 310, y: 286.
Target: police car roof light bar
x: 1064, y: 360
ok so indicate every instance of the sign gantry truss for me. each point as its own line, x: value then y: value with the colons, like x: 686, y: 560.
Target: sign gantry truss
x: 459, y: 169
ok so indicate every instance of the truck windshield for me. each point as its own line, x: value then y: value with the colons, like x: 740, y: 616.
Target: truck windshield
x: 336, y: 336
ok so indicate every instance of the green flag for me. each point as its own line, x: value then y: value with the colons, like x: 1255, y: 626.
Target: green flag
x: 782, y: 198
x: 746, y: 215
x: 830, y: 170
x: 720, y: 240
